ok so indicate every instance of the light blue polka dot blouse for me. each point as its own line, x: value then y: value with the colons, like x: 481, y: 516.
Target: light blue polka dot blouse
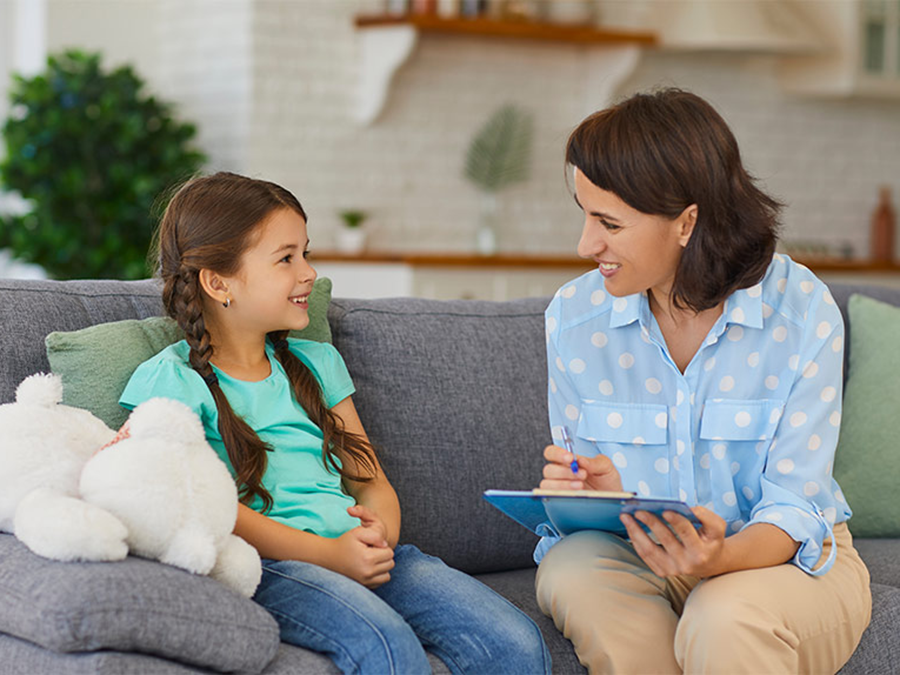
x: 748, y: 430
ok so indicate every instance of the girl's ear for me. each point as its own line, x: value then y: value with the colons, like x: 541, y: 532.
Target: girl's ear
x: 687, y: 221
x: 214, y: 286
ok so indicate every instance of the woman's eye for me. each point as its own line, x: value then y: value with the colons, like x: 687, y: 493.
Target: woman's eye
x: 609, y: 226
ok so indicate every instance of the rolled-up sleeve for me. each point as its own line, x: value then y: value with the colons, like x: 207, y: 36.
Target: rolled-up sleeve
x: 797, y: 476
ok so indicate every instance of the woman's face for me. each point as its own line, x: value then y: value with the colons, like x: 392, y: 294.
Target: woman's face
x: 635, y: 251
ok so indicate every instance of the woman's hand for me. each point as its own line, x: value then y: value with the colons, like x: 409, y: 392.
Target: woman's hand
x: 363, y: 555
x: 682, y: 548
x: 594, y: 473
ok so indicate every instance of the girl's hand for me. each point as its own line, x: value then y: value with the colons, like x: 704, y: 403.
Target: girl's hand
x: 682, y: 549
x: 369, y: 519
x: 594, y: 473
x: 363, y: 555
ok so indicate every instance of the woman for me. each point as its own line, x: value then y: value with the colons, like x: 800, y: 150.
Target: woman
x: 695, y: 363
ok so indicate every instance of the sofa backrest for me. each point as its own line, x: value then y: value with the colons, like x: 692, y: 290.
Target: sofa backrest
x: 31, y: 309
x: 452, y: 392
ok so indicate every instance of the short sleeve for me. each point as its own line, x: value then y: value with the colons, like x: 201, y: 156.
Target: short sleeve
x: 328, y: 367
x: 163, y: 376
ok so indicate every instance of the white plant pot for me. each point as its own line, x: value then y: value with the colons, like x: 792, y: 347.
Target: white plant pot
x: 351, y: 240
x: 488, y: 221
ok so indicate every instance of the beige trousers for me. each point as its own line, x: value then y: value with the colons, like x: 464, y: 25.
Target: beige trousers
x: 622, y: 618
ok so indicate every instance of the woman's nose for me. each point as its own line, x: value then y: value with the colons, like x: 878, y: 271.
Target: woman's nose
x: 592, y: 242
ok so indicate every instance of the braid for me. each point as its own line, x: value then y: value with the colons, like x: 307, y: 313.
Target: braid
x: 246, y: 451
x: 335, y: 437
x: 207, y: 225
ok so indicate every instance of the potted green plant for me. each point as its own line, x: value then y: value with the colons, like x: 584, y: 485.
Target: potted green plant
x: 351, y: 237
x: 90, y: 152
x: 498, y: 156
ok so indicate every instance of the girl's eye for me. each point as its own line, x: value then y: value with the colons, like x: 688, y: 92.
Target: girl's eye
x: 305, y: 254
x: 287, y: 258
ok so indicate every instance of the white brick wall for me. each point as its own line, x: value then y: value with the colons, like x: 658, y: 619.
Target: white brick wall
x: 206, y: 61
x: 272, y: 85
x: 824, y: 158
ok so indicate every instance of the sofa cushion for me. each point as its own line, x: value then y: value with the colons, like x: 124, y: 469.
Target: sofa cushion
x: 878, y: 652
x: 21, y: 657
x: 134, y: 605
x: 882, y: 558
x: 95, y: 363
x: 867, y: 461
x: 447, y: 391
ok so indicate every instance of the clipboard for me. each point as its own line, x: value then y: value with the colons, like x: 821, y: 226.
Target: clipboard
x: 575, y: 510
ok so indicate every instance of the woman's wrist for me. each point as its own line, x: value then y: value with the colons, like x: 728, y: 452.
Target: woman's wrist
x: 760, y: 545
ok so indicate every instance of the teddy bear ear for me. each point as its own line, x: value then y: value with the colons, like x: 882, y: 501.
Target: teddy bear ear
x: 41, y: 389
x: 165, y: 418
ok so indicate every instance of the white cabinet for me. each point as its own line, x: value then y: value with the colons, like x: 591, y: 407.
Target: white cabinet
x: 863, y: 57
x: 447, y: 277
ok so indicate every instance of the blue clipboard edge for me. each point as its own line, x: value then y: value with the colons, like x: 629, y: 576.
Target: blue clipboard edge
x: 573, y: 510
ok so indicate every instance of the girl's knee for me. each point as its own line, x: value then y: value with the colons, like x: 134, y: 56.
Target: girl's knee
x: 509, y: 644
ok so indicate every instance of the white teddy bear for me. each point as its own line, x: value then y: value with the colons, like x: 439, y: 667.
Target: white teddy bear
x: 158, y: 489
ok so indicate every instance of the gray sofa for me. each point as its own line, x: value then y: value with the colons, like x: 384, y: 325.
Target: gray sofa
x: 453, y: 393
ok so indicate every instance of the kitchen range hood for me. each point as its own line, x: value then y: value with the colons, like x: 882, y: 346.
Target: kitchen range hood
x: 762, y: 26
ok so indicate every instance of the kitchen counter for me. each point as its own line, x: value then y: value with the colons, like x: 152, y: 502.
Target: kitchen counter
x: 504, y: 276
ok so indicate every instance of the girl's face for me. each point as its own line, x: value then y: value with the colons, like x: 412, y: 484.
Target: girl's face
x: 271, y: 289
x: 635, y: 251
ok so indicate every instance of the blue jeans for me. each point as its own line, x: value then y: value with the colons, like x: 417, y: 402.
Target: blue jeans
x: 426, y: 604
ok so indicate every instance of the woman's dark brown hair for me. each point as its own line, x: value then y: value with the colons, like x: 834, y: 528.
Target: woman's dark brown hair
x: 663, y: 151
x: 208, y: 224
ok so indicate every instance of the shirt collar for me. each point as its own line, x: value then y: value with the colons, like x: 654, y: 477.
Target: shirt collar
x: 627, y: 309
x: 744, y: 307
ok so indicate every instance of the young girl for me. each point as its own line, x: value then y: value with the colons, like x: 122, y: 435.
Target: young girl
x: 314, y: 499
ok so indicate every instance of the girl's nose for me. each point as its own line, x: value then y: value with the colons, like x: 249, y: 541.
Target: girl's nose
x: 308, y: 272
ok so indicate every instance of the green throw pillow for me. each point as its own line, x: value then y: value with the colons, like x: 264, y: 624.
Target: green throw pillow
x: 867, y: 463
x: 95, y: 363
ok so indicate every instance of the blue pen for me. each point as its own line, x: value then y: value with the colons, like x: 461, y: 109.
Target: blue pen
x: 567, y: 439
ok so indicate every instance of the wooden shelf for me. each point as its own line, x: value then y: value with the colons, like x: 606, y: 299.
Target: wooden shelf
x: 855, y: 266
x: 520, y: 260
x: 387, y: 41
x: 526, y: 30
x: 524, y: 260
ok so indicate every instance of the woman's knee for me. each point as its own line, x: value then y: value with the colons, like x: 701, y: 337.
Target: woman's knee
x: 716, y: 626
x: 562, y: 573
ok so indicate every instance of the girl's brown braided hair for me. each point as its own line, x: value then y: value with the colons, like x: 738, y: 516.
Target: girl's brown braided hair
x: 208, y: 224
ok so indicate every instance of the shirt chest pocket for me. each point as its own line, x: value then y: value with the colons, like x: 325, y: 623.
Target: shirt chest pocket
x: 730, y: 420
x: 632, y: 423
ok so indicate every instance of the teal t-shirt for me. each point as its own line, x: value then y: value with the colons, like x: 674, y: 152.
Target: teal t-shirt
x: 307, y: 495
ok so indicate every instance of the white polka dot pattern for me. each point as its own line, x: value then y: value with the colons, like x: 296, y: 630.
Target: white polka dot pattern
x: 748, y: 429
